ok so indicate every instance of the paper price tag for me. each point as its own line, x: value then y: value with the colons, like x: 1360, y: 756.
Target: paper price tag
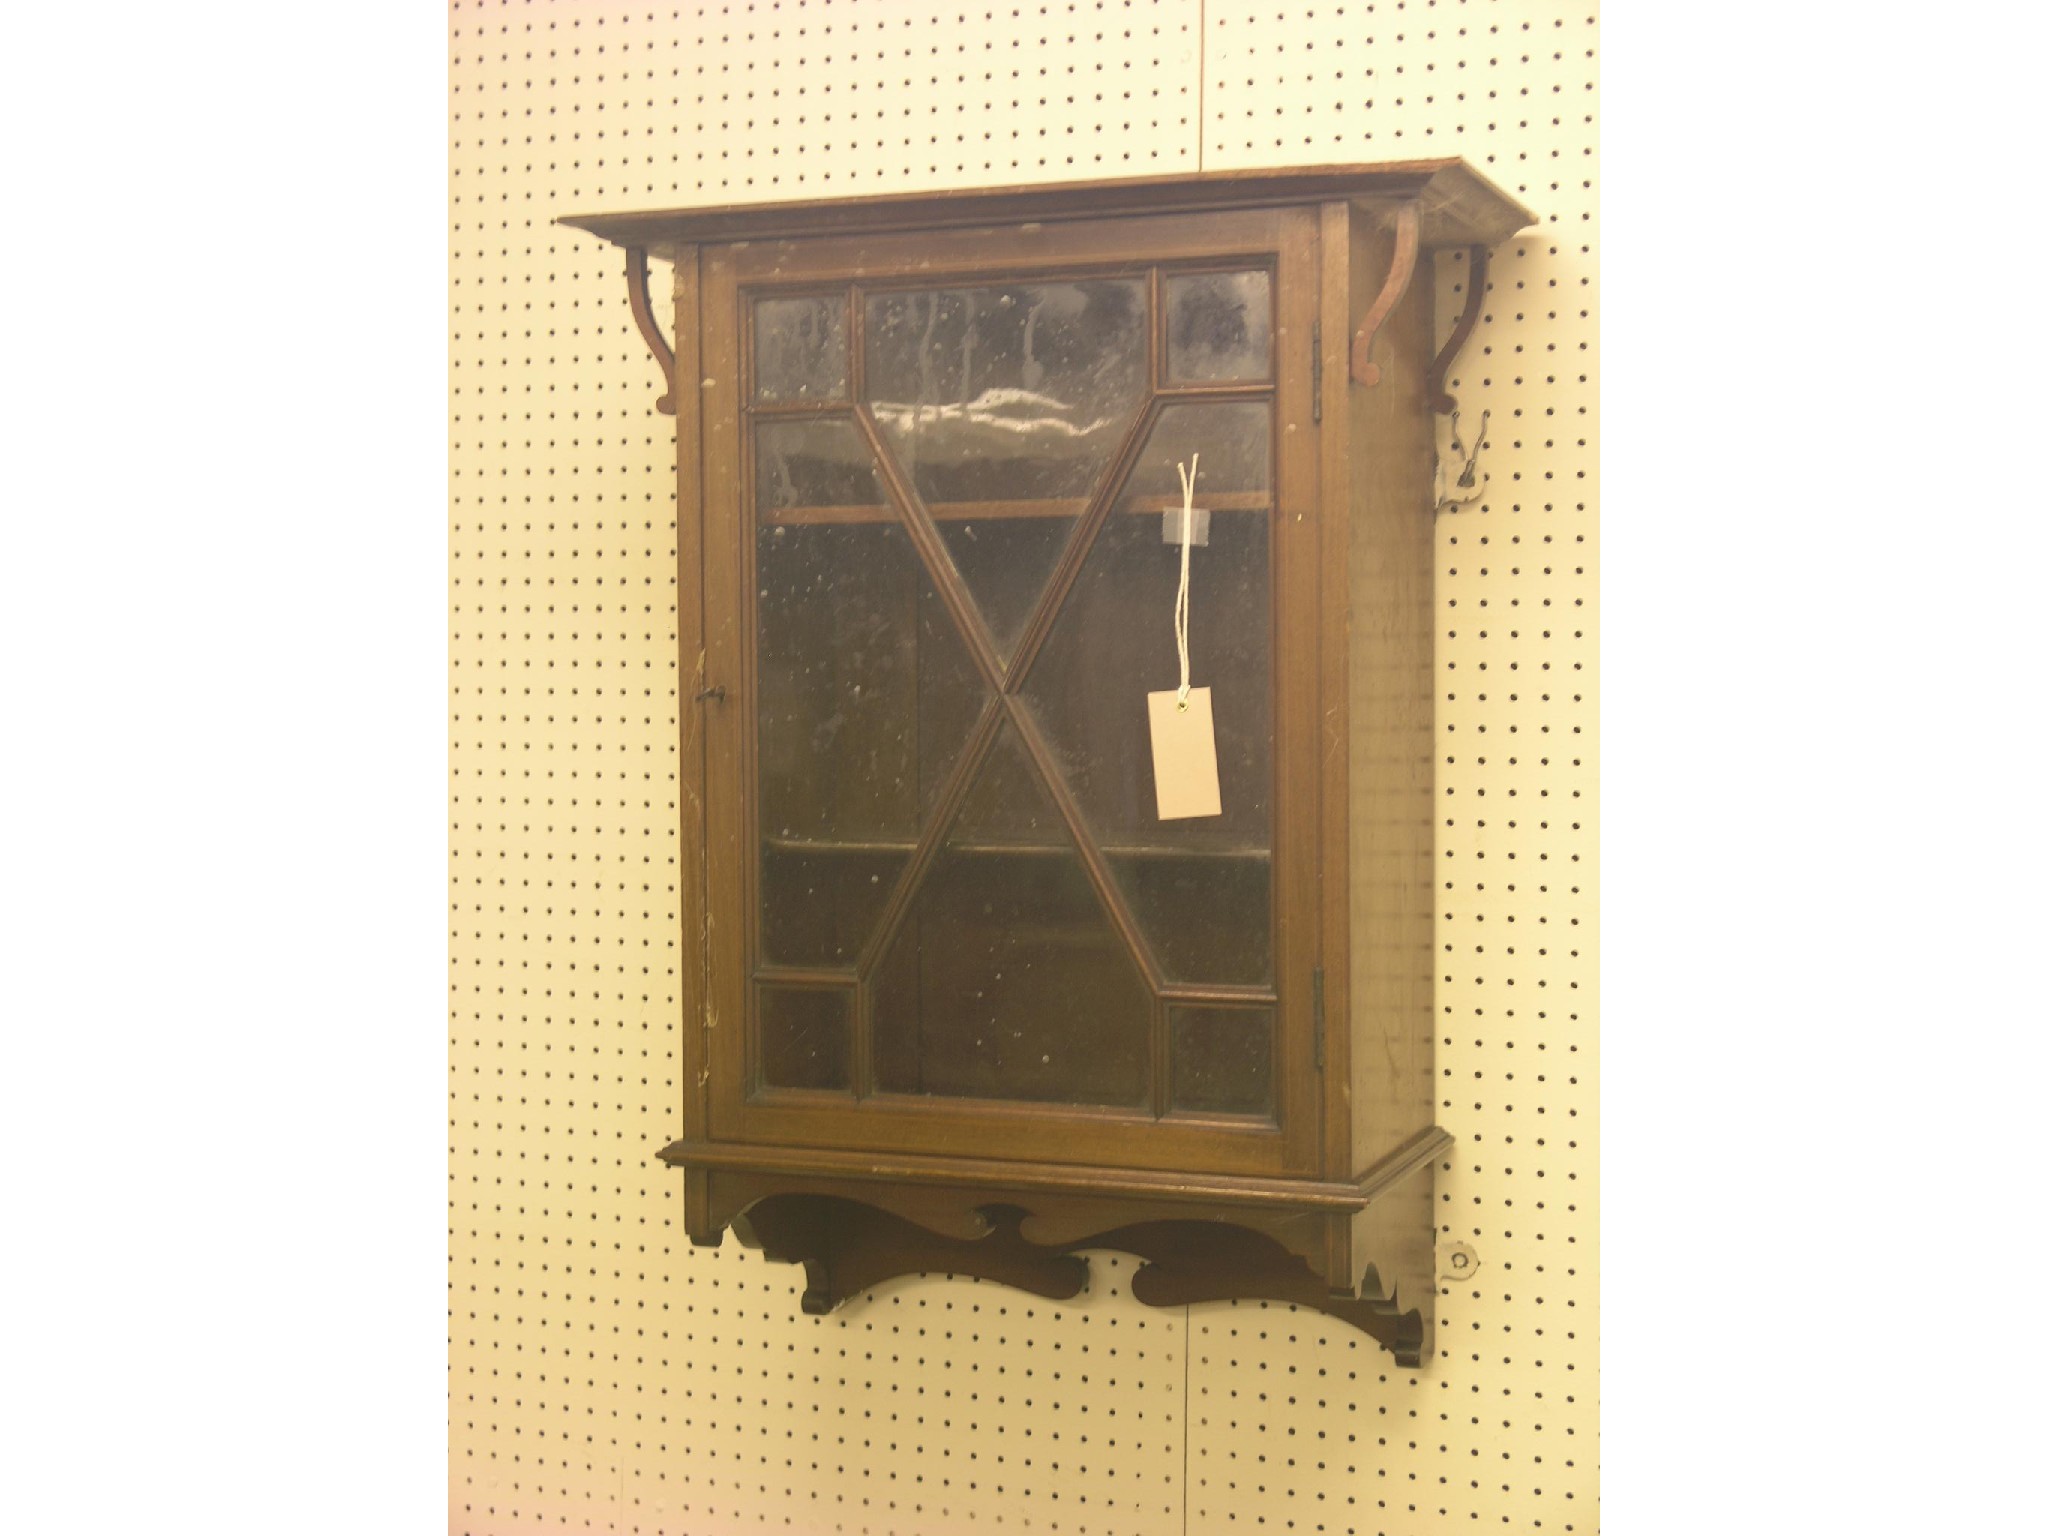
x: 1184, y: 754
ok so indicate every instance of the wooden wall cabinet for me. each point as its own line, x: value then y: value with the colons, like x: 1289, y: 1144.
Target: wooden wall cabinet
x: 955, y: 997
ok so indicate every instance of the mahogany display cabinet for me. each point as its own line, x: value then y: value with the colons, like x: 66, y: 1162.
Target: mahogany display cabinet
x: 955, y: 997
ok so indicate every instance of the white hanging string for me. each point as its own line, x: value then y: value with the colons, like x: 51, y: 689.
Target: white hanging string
x: 1180, y: 603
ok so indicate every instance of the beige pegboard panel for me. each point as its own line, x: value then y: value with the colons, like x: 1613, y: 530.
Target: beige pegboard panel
x: 777, y: 99
x: 604, y: 1374
x: 822, y: 98
x: 922, y: 1407
x: 1298, y: 1426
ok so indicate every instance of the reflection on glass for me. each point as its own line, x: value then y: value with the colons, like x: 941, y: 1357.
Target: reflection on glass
x: 1223, y: 1060
x: 1004, y: 405
x: 1219, y: 326
x: 1007, y: 980
x: 1201, y: 890
x: 815, y: 471
x: 800, y: 348
x: 806, y: 1037
x: 1006, y: 394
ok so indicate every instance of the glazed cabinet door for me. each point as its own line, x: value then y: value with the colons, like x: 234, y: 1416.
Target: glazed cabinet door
x: 945, y: 915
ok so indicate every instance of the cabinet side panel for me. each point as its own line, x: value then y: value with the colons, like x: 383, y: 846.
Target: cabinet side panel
x: 690, y: 661
x: 1392, y: 554
x: 1333, y: 511
x: 725, y: 486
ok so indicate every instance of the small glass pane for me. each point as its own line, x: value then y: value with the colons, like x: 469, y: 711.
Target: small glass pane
x: 1235, y: 441
x: 1200, y: 889
x: 815, y: 472
x: 819, y: 901
x: 1004, y: 405
x: 1005, y: 563
x: 1006, y: 394
x: 1223, y: 1060
x: 800, y: 348
x: 1206, y: 910
x: 1219, y: 325
x: 806, y: 1037
x: 1007, y: 980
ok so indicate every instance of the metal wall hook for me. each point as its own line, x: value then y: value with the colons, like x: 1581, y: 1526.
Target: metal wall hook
x: 1469, y: 478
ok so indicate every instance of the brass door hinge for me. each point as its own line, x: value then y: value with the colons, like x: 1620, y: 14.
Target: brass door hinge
x: 1315, y: 373
x: 1316, y: 1002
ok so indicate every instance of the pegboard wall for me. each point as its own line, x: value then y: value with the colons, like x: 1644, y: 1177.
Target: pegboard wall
x: 604, y: 1374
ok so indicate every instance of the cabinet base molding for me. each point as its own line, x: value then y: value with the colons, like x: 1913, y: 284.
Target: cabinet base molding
x: 851, y: 1236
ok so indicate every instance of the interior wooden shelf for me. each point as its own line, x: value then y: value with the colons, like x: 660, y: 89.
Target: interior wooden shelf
x: 980, y: 511
x: 1112, y: 850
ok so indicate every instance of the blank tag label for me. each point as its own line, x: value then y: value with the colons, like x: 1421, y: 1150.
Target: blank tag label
x: 1184, y: 754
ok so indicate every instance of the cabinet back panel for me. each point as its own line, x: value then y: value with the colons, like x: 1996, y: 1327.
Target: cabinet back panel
x: 606, y: 1376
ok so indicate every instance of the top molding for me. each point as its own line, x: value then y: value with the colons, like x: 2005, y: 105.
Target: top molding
x: 1458, y: 206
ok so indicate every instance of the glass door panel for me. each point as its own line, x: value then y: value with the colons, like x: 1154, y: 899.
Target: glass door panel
x: 961, y: 591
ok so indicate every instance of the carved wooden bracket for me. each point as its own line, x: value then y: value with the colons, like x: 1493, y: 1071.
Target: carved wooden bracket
x: 1475, y: 296
x: 643, y: 316
x: 846, y: 1246
x: 1407, y: 240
